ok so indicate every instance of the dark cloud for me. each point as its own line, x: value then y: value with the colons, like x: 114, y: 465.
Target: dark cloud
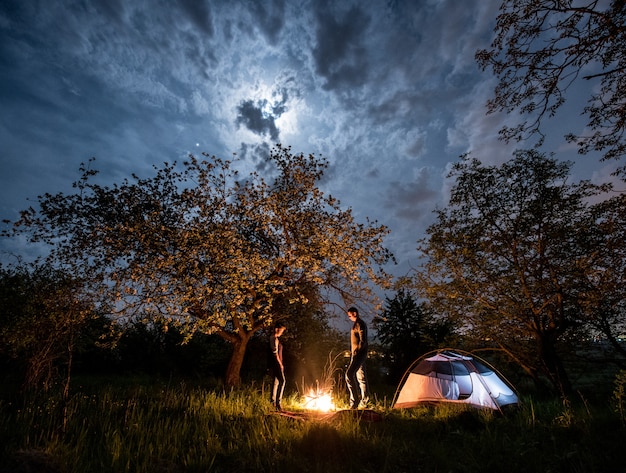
x: 270, y: 17
x: 257, y: 153
x: 113, y: 9
x: 260, y: 116
x: 199, y: 13
x: 412, y: 200
x: 416, y: 147
x: 285, y: 90
x: 253, y: 117
x: 280, y: 107
x: 340, y: 54
x: 13, y: 11
x: 402, y: 103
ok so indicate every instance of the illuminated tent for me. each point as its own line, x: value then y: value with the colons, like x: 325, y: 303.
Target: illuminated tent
x: 453, y: 377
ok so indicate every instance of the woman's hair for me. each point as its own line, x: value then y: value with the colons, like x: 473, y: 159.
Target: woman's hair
x: 353, y: 310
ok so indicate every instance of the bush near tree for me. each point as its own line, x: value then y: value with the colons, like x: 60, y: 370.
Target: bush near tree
x: 45, y: 323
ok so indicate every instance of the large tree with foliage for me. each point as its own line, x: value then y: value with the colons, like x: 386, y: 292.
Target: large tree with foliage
x: 512, y: 257
x: 544, y: 47
x: 203, y: 247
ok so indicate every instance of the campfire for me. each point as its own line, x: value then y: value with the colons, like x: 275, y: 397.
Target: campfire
x: 318, y: 399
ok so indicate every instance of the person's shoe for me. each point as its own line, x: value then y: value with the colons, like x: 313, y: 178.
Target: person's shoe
x: 354, y: 405
x: 363, y: 404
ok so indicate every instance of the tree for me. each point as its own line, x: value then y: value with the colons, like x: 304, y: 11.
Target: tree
x: 510, y: 257
x: 43, y: 320
x: 151, y: 349
x: 542, y: 48
x: 206, y: 249
x: 407, y: 330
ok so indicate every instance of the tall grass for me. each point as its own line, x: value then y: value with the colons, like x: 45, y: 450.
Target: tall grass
x: 619, y: 395
x: 165, y: 428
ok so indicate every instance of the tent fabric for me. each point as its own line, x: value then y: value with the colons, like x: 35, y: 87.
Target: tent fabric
x: 449, y: 376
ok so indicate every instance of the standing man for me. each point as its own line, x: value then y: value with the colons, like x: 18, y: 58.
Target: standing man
x: 276, y: 365
x: 356, y: 374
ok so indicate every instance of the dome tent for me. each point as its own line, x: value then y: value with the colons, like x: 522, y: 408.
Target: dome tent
x: 453, y: 377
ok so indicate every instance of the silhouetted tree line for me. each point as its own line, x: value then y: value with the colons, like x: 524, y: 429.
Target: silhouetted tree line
x: 36, y: 353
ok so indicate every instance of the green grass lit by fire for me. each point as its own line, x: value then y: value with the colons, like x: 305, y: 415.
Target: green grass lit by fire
x: 163, y: 428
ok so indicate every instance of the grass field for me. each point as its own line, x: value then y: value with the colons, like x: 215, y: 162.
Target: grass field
x: 161, y: 427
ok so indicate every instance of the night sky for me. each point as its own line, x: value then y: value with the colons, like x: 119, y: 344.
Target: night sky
x: 387, y: 90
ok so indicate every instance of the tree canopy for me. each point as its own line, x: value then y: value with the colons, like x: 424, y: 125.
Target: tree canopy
x: 202, y: 247
x: 518, y: 259
x: 544, y: 47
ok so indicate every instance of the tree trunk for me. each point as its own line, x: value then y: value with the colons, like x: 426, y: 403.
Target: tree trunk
x: 68, y: 379
x: 233, y: 371
x: 554, y: 367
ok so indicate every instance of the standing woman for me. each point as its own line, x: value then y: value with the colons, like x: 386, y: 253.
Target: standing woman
x: 276, y: 365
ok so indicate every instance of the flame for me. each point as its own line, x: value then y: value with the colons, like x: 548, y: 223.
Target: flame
x: 318, y: 400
